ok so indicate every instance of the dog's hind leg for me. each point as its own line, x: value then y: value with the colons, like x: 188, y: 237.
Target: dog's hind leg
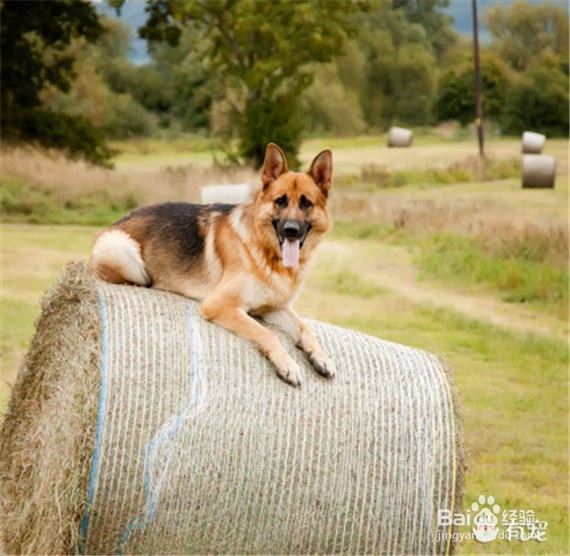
x: 302, y: 335
x: 116, y: 258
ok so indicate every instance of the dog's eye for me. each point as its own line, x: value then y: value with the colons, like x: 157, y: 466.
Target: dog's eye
x: 281, y: 202
x: 305, y: 203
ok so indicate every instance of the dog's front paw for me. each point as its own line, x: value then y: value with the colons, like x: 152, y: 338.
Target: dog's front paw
x: 288, y: 371
x: 290, y: 374
x: 323, y: 365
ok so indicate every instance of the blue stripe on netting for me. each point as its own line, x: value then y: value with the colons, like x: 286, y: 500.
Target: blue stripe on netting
x: 95, y: 457
x: 151, y: 498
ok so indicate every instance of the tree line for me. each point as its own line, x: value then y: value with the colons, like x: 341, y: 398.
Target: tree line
x: 247, y: 72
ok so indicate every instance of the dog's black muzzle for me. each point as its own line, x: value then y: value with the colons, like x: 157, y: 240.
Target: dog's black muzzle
x: 291, y: 229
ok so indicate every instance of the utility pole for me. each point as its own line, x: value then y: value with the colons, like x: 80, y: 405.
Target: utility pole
x: 478, y: 97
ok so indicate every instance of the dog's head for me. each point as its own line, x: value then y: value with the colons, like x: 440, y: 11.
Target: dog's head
x: 291, y: 207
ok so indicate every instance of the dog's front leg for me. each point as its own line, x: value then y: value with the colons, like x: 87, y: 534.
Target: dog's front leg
x: 221, y: 310
x: 302, y: 335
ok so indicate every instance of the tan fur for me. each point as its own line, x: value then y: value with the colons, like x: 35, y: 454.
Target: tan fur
x: 239, y: 272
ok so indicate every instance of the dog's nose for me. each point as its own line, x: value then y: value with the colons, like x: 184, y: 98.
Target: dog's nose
x: 292, y: 229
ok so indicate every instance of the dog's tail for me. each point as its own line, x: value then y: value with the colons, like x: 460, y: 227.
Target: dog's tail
x: 116, y: 258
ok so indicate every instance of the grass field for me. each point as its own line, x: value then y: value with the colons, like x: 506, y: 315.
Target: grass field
x: 422, y: 264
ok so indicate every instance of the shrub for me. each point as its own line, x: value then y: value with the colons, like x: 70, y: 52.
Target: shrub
x: 455, y: 98
x: 126, y: 117
x: 538, y: 101
x: 264, y: 123
x: 329, y: 106
x: 74, y: 135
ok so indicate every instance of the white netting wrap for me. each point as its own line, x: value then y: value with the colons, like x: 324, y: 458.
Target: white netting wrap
x: 202, y: 449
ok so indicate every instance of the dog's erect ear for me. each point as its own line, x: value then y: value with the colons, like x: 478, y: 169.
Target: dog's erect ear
x: 321, y: 171
x: 274, y: 164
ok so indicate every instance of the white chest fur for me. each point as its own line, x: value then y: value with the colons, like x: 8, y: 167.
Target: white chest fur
x: 259, y: 297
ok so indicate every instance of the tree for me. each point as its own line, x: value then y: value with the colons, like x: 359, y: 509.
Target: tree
x: 401, y: 69
x: 523, y: 31
x: 332, y: 103
x: 455, y: 99
x: 533, y: 40
x: 106, y: 86
x: 183, y: 80
x: 145, y: 84
x: 436, y: 24
x: 538, y: 100
x: 34, y: 42
x: 262, y: 51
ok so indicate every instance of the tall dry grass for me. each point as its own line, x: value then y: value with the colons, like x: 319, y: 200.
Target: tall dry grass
x: 69, y: 179
x: 470, y: 169
x: 499, y: 229
x: 69, y: 182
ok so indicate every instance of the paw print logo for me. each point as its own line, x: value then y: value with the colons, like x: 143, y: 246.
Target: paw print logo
x: 486, y: 520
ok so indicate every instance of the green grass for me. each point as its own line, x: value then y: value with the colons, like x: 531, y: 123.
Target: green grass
x: 32, y: 258
x: 513, y: 393
x: 518, y: 272
x: 17, y: 325
x: 376, y: 176
x: 147, y: 145
x: 361, y: 229
x: 22, y: 201
x: 527, y: 269
x: 351, y: 285
x: 423, y: 136
x: 152, y: 153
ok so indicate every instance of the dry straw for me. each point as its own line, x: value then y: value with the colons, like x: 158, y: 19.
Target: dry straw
x: 137, y: 427
x: 54, y: 172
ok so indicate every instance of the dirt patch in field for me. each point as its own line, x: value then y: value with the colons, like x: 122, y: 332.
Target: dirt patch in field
x: 391, y: 267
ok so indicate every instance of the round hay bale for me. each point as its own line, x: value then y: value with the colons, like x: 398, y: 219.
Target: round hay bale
x: 538, y: 170
x: 48, y: 431
x: 231, y: 193
x: 532, y: 143
x: 400, y: 137
x: 138, y: 427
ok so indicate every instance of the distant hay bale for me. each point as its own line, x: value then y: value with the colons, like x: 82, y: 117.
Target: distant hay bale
x: 538, y: 171
x: 532, y: 143
x: 400, y: 137
x: 230, y: 193
x: 137, y: 427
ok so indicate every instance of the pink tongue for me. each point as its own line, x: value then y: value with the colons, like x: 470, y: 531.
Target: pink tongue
x: 291, y: 253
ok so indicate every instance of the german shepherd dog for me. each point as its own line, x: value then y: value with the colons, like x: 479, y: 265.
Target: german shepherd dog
x: 241, y: 261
